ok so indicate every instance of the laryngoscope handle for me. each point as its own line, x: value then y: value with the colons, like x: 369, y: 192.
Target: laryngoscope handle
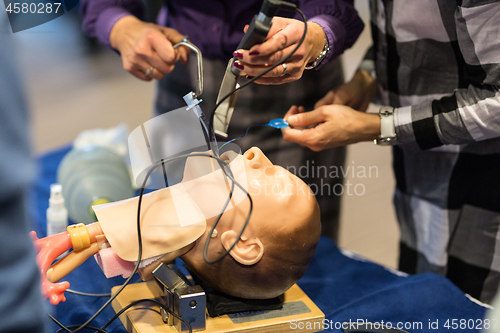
x: 191, y: 46
x: 258, y: 28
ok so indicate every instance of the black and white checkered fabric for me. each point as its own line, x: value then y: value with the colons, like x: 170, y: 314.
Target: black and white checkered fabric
x: 438, y: 63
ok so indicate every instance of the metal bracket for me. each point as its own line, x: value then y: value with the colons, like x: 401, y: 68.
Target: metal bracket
x: 181, y: 298
x: 188, y: 44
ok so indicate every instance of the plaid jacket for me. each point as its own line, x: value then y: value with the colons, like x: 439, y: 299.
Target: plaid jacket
x: 438, y: 63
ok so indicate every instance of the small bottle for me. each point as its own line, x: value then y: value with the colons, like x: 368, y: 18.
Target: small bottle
x: 57, y: 214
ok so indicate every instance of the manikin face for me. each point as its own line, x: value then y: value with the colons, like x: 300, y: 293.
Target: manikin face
x: 281, y: 203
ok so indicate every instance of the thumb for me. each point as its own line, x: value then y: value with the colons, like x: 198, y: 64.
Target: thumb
x: 294, y: 110
x: 174, y: 37
x: 306, y: 119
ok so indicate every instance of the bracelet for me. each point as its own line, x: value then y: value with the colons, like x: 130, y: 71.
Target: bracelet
x: 321, y: 56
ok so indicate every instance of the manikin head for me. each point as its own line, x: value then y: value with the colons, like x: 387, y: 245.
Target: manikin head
x: 278, y: 243
x: 273, y: 252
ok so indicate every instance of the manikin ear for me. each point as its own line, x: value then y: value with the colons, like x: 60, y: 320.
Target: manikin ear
x: 246, y: 251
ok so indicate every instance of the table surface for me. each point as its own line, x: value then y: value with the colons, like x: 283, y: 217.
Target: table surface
x: 344, y: 286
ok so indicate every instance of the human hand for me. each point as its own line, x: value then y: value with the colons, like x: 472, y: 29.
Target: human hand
x: 282, y: 39
x: 145, y: 45
x: 337, y: 125
x: 356, y: 93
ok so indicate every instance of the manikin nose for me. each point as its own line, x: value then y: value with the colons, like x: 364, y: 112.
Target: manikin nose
x: 257, y: 158
x: 252, y: 154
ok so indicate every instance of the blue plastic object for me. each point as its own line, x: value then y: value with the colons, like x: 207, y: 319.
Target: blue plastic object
x: 278, y: 123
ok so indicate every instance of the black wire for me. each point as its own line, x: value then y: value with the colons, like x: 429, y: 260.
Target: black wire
x: 282, y: 61
x: 58, y: 323
x: 67, y: 328
x: 240, y: 137
x: 205, y: 249
x: 87, y: 294
x: 119, y: 313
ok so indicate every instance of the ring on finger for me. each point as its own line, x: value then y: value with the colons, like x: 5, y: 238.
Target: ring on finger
x: 284, y: 69
x: 149, y: 71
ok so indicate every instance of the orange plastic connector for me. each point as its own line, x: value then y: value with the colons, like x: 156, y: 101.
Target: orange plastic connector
x: 79, y: 236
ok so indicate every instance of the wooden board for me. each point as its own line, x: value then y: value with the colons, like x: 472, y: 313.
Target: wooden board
x: 298, y: 312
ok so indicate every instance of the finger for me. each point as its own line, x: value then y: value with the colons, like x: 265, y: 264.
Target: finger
x: 150, y: 71
x: 160, y: 67
x: 141, y: 67
x: 286, y: 37
x: 297, y: 136
x: 33, y: 236
x: 246, y: 58
x: 293, y: 110
x: 275, y: 80
x: 254, y: 70
x: 139, y: 73
x: 164, y: 48
x: 326, y: 100
x: 307, y: 118
x: 183, y: 54
x: 278, y: 24
x: 164, y: 44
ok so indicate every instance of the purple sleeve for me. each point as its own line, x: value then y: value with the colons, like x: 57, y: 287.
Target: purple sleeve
x: 335, y: 33
x: 339, y: 20
x: 99, y: 16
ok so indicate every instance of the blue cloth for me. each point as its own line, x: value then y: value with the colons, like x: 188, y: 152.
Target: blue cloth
x: 344, y: 288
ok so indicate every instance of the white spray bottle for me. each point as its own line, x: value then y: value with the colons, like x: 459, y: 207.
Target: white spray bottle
x: 57, y: 214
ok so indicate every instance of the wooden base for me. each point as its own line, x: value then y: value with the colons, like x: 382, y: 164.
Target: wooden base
x: 299, y: 313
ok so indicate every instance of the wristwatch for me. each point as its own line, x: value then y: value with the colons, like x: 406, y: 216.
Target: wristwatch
x: 320, y: 57
x: 387, y: 128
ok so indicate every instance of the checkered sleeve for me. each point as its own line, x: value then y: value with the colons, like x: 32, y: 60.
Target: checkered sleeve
x: 471, y: 113
x: 368, y: 62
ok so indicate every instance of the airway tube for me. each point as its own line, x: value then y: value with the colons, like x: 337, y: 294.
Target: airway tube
x: 112, y: 265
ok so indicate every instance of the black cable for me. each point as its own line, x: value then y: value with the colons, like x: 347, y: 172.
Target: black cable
x: 67, y: 328
x: 285, y: 5
x: 81, y: 293
x: 205, y: 249
x: 58, y: 323
x: 240, y: 137
x: 119, y: 313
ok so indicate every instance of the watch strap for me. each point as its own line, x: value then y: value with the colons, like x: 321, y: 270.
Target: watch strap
x: 387, y: 127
